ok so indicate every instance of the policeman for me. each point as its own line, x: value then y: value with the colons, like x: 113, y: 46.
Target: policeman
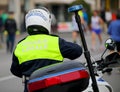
x: 39, y: 48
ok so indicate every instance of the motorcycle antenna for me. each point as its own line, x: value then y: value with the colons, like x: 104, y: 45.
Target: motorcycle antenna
x: 75, y: 9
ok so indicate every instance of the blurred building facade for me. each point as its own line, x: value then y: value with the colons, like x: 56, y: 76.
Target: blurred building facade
x: 57, y: 7
x: 104, y: 4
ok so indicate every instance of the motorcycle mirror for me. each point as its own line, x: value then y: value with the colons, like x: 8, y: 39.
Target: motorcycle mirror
x: 110, y: 44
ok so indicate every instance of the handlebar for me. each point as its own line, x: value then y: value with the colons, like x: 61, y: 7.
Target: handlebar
x: 103, y: 65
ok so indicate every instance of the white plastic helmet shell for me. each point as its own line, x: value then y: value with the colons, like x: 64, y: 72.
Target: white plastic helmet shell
x: 40, y: 17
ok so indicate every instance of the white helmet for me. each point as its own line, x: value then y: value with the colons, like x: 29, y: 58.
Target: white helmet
x: 39, y: 17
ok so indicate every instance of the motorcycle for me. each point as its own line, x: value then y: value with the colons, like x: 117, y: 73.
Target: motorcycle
x: 104, y: 65
x: 72, y: 76
x: 62, y: 77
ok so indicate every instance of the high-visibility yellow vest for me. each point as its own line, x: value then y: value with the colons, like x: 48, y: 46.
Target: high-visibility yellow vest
x: 38, y: 47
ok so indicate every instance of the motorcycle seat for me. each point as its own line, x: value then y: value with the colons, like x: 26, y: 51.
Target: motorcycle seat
x: 63, y: 77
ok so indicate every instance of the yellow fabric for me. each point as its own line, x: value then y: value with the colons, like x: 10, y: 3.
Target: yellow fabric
x: 80, y: 13
x: 38, y: 47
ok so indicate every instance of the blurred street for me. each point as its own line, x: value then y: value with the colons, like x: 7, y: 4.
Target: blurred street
x: 95, y: 16
x: 10, y: 83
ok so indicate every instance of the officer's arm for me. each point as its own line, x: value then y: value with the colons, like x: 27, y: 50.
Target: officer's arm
x: 15, y: 68
x: 69, y: 50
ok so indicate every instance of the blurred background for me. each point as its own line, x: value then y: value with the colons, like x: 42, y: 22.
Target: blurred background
x: 61, y: 25
x: 57, y: 7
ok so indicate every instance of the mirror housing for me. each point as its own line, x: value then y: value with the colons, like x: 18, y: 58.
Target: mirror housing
x: 110, y: 44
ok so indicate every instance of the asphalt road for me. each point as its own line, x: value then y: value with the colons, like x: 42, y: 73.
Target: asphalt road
x: 10, y: 83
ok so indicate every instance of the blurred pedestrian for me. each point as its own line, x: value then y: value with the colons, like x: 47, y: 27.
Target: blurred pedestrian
x: 75, y: 30
x: 114, y: 17
x: 114, y: 31
x: 108, y: 17
x: 102, y: 15
x: 104, y: 25
x: 82, y: 15
x: 4, y: 18
x: 53, y: 23
x: 85, y: 17
x: 96, y: 22
x: 11, y: 28
x: 1, y: 28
